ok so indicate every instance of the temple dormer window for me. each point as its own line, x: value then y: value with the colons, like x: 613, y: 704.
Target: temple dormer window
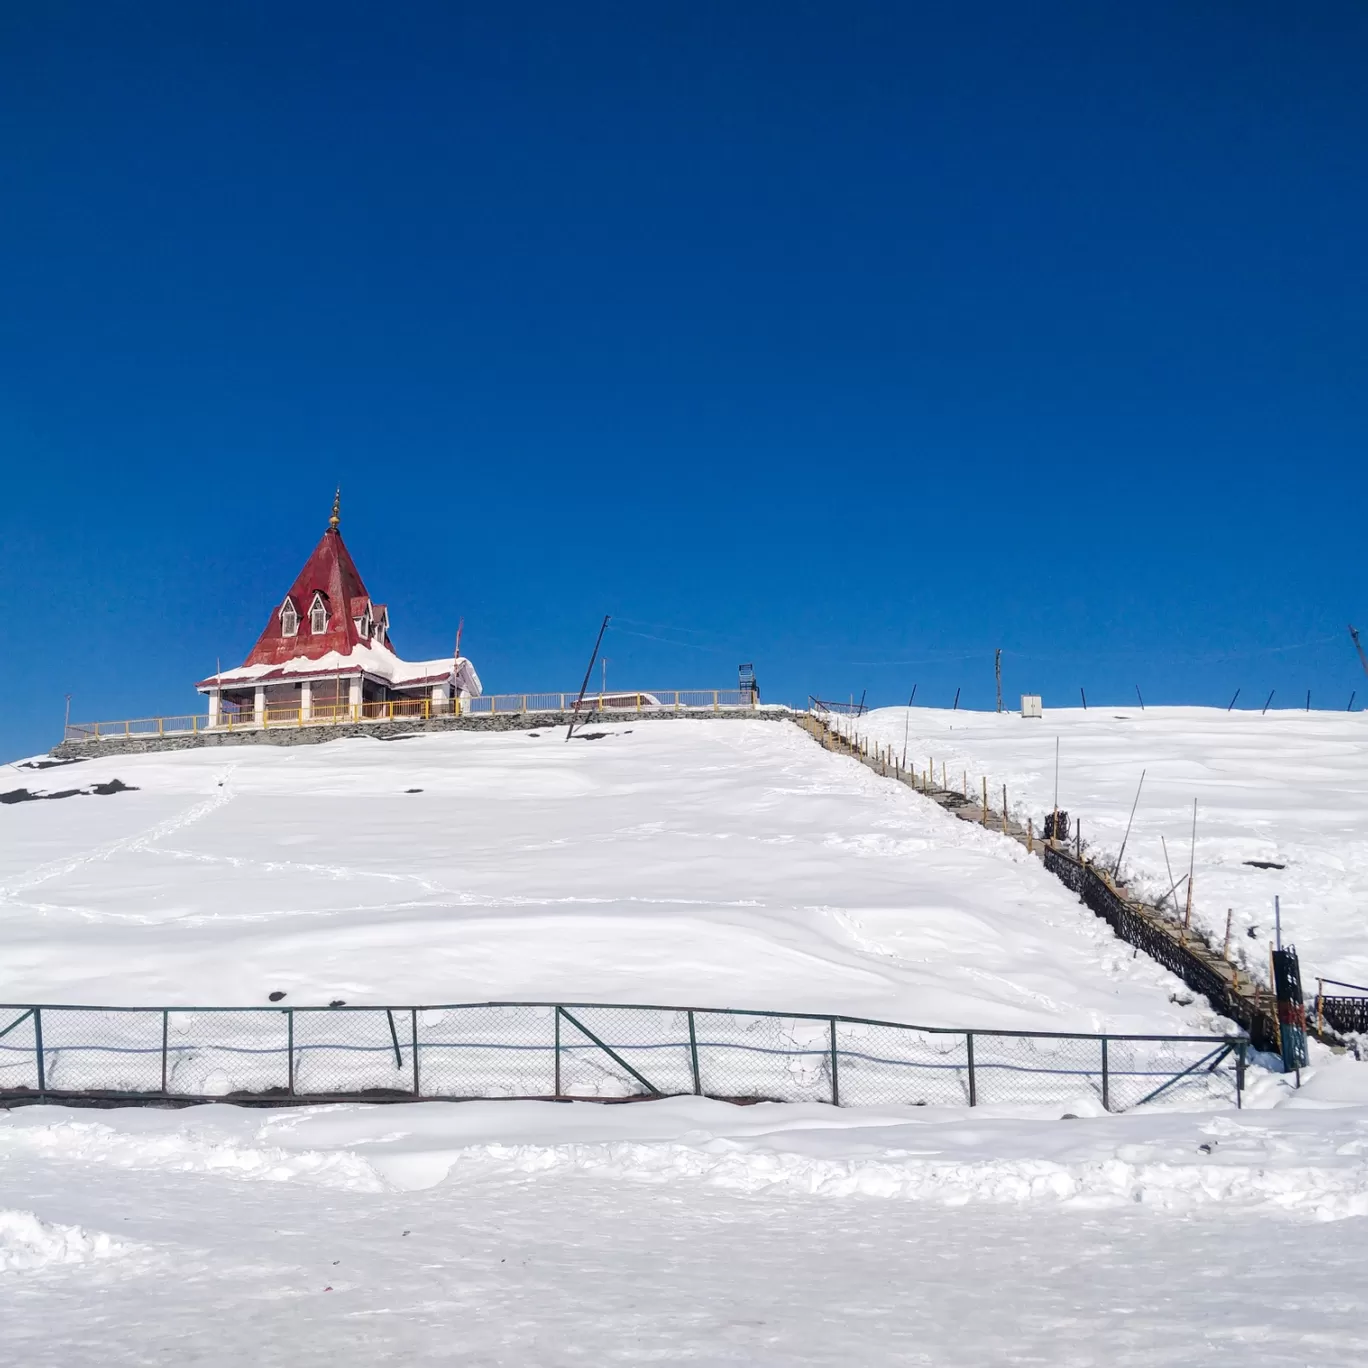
x: 318, y: 616
x: 289, y: 619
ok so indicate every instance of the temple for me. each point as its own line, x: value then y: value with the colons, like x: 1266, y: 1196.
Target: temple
x: 326, y: 656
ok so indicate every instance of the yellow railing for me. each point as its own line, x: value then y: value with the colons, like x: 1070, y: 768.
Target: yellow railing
x: 332, y: 714
x: 320, y: 714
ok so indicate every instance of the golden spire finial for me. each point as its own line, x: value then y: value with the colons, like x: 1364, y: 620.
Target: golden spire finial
x: 336, y: 518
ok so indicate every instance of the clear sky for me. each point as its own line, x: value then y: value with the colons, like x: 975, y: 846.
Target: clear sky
x: 855, y: 340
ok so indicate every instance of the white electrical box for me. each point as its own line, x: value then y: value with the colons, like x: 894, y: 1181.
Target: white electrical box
x: 1030, y: 706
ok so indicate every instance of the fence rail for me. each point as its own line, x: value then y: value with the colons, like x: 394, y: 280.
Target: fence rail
x: 586, y: 1050
x: 1346, y: 1013
x: 628, y: 701
x: 329, y: 714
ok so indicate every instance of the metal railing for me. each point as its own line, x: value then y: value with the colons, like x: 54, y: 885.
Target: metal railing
x: 622, y: 701
x: 331, y: 714
x: 1346, y: 1013
x: 588, y: 1051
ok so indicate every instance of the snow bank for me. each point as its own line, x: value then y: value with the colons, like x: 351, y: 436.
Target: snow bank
x: 1299, y: 1154
x: 26, y: 1243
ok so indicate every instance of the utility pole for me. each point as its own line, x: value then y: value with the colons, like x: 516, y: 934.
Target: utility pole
x: 997, y: 669
x: 1358, y: 646
x: 588, y: 675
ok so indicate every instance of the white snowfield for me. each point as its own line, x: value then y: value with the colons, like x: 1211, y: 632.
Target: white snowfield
x: 690, y: 862
x: 709, y: 863
x: 1287, y: 788
x: 687, y: 1230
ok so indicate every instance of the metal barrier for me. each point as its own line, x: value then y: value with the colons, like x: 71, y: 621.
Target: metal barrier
x: 625, y: 701
x: 1131, y: 922
x: 588, y: 1051
x: 330, y: 714
x: 1346, y: 1013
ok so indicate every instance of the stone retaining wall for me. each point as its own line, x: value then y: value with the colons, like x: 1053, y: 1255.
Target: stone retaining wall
x: 385, y: 731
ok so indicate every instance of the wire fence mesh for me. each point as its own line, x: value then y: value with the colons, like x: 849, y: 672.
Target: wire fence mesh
x: 591, y: 1050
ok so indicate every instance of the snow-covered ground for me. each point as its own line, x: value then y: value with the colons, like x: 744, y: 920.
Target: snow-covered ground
x: 1287, y: 788
x: 702, y: 863
x: 687, y: 1231
x: 713, y: 863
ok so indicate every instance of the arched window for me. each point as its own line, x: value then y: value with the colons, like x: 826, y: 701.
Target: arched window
x: 318, y: 616
x: 289, y: 619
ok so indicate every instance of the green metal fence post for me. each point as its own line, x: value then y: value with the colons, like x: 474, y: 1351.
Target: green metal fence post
x: 693, y: 1055
x: 835, y: 1068
x: 1106, y: 1078
x: 289, y: 1047
x: 413, y: 1029
x: 38, y: 1045
x: 558, y: 1080
x: 973, y: 1086
x: 165, y: 1021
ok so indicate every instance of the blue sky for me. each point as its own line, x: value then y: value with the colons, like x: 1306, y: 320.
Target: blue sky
x: 852, y: 340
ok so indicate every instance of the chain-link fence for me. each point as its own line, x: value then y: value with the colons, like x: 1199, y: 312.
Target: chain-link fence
x: 589, y: 1050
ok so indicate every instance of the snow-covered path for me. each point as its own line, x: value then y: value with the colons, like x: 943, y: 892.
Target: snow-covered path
x: 1287, y: 788
x: 685, y: 1231
x: 728, y: 863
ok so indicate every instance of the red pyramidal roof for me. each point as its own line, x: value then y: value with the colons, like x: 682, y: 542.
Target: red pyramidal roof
x: 330, y: 579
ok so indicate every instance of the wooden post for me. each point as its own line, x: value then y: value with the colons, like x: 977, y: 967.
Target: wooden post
x: 1320, y: 1006
x: 1225, y: 952
x: 1030, y: 837
x: 985, y: 800
x: 1004, y: 809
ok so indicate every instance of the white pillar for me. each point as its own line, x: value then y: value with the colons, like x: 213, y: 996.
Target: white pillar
x: 259, y: 706
x: 306, y: 700
x: 214, y: 707
x: 354, y: 696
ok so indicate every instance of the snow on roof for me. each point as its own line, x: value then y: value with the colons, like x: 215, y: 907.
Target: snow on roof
x: 374, y: 659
